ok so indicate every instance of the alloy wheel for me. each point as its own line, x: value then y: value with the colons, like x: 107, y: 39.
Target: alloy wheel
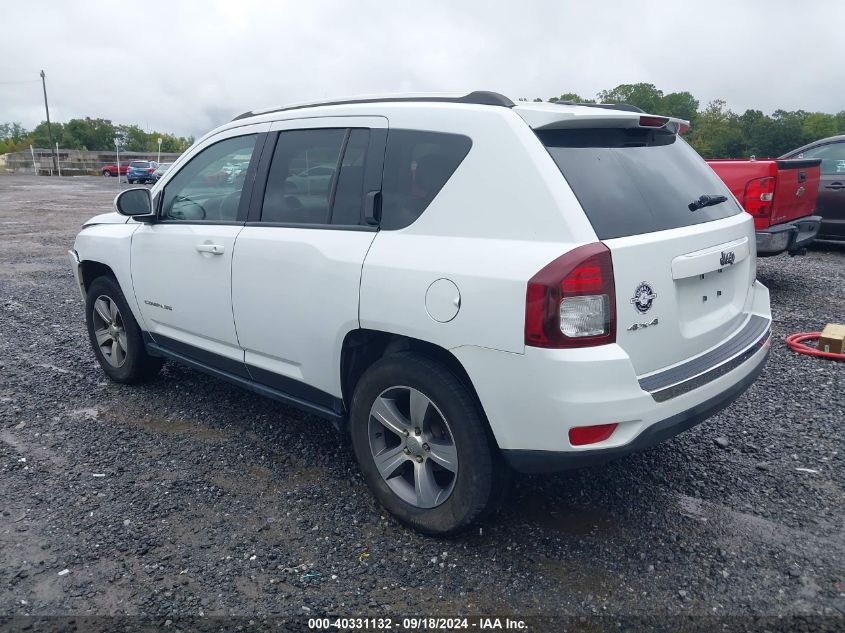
x: 413, y: 446
x: 109, y: 331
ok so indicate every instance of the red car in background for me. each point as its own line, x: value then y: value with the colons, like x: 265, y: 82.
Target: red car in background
x: 781, y: 194
x: 111, y: 170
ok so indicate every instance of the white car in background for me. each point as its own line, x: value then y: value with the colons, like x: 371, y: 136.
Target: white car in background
x: 481, y: 285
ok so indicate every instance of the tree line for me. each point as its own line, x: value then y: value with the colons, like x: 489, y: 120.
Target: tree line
x: 715, y: 131
x: 718, y: 132
x: 90, y: 134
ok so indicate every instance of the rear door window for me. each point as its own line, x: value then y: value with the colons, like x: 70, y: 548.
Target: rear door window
x: 349, y: 193
x: 301, y: 178
x: 416, y: 166
x: 631, y: 181
x: 317, y: 177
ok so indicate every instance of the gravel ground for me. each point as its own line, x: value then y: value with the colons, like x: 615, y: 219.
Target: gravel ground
x: 187, y: 496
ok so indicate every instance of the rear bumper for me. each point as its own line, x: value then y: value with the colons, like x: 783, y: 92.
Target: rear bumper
x: 533, y: 399
x: 788, y: 237
x: 548, y: 461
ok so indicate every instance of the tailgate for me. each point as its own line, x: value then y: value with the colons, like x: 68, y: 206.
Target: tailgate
x: 683, y: 251
x: 682, y: 292
x: 796, y: 189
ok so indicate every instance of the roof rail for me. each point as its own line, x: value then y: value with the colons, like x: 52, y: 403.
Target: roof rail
x: 607, y: 106
x: 478, y: 97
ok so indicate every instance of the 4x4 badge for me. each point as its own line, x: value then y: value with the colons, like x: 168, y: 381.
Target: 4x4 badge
x: 643, y: 297
x: 641, y: 326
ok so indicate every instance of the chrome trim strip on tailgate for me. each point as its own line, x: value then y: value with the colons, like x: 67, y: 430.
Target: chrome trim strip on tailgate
x: 699, y: 371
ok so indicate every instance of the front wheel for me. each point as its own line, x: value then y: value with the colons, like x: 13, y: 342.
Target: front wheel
x: 421, y: 441
x: 115, y: 336
x: 107, y: 173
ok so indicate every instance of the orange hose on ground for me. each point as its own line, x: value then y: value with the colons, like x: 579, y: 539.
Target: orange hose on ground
x: 796, y: 344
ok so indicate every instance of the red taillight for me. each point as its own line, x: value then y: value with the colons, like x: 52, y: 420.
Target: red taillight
x: 653, y: 121
x: 571, y: 302
x: 149, y: 170
x: 580, y: 435
x: 758, y: 196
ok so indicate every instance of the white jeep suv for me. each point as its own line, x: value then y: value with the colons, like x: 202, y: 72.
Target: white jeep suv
x: 462, y: 284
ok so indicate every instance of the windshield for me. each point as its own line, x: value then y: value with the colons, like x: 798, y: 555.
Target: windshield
x: 637, y: 180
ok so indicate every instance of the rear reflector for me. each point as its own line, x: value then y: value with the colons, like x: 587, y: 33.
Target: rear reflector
x: 653, y: 121
x: 580, y: 435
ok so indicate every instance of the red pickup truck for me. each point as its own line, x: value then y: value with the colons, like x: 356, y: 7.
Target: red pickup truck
x: 111, y: 170
x: 781, y: 195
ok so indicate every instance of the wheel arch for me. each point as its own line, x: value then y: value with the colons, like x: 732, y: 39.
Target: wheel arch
x: 363, y: 347
x: 95, y: 267
x: 90, y: 269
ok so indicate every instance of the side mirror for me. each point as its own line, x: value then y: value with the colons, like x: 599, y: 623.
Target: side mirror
x: 135, y: 203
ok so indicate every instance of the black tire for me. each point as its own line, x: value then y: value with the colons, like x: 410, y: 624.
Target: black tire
x: 106, y: 173
x: 131, y: 182
x: 474, y: 489
x: 137, y: 365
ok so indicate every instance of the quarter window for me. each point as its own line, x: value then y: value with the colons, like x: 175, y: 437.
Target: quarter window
x: 209, y: 187
x: 416, y: 166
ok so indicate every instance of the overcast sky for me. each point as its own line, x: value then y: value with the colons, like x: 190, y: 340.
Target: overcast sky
x: 185, y: 67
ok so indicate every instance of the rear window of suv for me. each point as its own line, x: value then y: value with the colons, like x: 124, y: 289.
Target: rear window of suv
x: 631, y: 181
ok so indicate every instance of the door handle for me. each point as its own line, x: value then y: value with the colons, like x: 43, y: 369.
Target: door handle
x: 372, y: 207
x: 214, y: 249
x: 835, y: 185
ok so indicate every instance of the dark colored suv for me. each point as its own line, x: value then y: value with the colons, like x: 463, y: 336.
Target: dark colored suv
x: 831, y: 202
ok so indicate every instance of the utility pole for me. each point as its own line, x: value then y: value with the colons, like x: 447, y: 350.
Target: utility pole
x: 49, y: 129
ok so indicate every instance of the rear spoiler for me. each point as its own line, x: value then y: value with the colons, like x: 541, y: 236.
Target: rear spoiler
x: 627, y: 107
x: 553, y: 117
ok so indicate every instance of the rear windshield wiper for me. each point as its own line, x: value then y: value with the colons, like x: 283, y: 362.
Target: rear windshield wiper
x: 706, y: 201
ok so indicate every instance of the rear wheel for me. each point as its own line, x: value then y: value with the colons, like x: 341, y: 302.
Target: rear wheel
x: 422, y: 444
x: 115, y: 336
x: 106, y: 173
